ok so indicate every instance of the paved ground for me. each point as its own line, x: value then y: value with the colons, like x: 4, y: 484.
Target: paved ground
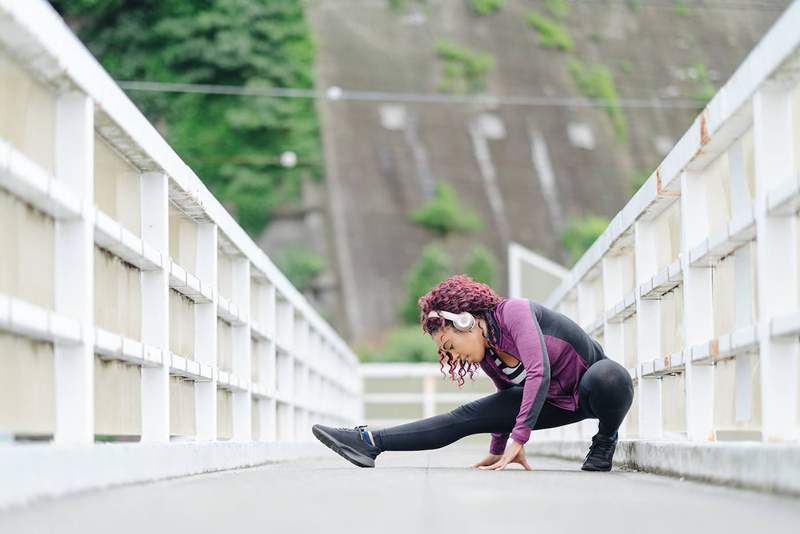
x: 412, y: 492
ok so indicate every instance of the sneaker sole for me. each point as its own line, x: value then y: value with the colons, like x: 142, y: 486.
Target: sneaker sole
x: 341, y: 449
x: 584, y: 468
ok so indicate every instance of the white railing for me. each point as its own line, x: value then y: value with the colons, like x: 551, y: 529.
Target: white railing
x: 397, y: 393
x: 694, y: 284
x: 132, y: 306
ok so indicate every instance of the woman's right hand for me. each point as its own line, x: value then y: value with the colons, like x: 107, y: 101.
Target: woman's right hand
x: 489, y: 460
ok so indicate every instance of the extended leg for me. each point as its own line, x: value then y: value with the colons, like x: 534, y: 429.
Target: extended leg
x: 494, y: 413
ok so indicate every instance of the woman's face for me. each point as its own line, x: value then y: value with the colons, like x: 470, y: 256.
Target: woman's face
x: 467, y: 346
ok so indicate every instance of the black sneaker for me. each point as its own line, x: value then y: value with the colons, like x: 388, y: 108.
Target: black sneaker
x: 347, y: 442
x: 601, y: 452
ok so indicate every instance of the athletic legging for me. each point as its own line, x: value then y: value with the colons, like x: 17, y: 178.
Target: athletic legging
x: 606, y: 393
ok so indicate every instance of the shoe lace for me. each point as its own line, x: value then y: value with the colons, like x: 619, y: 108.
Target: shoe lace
x: 359, y: 428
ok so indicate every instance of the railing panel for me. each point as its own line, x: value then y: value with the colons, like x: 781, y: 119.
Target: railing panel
x: 715, y: 237
x: 181, y: 407
x: 118, y: 295
x: 27, y: 113
x: 117, y: 186
x: 117, y: 398
x: 28, y: 385
x: 26, y: 272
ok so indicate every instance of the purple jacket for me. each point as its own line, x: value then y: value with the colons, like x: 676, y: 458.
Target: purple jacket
x: 555, y: 353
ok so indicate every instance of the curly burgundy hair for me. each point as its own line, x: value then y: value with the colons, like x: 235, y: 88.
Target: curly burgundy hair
x: 456, y: 294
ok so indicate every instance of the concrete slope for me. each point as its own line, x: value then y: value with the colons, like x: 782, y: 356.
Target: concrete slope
x: 527, y: 170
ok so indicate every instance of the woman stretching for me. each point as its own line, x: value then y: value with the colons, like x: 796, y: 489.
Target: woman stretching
x: 547, y: 370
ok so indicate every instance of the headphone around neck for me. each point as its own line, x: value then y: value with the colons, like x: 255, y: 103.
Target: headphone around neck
x: 462, y: 322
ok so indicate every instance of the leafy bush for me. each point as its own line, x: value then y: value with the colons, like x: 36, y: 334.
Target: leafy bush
x: 233, y: 144
x: 681, y: 9
x: 485, y: 7
x: 463, y: 70
x: 444, y: 213
x: 300, y: 265
x: 706, y: 89
x: 404, y: 6
x: 634, y: 5
x: 597, y: 82
x: 481, y: 265
x: 551, y: 33
x: 581, y: 233
x: 433, y: 266
x: 401, y: 344
x: 557, y: 8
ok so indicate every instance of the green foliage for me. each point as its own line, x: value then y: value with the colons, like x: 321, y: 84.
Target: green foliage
x: 404, y: 6
x: 232, y: 143
x: 595, y: 37
x: 433, y: 266
x: 705, y: 89
x: 681, y: 8
x: 557, y: 8
x: 597, y: 82
x: 485, y: 7
x: 444, y: 213
x: 300, y: 265
x: 463, y: 70
x: 402, y: 344
x: 551, y: 33
x: 581, y: 233
x: 481, y: 265
x: 626, y: 66
x: 634, y: 5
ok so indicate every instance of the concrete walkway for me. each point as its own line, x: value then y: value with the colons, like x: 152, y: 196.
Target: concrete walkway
x: 411, y: 492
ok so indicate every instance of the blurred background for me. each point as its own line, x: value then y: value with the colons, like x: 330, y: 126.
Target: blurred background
x: 374, y: 147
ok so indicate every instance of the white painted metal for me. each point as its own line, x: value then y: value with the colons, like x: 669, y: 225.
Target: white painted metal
x: 155, y: 309
x: 316, y: 377
x: 749, y: 133
x: 423, y: 385
x: 74, y: 271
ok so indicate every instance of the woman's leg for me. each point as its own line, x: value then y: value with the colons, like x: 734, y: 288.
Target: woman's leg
x: 494, y: 413
x: 606, y: 392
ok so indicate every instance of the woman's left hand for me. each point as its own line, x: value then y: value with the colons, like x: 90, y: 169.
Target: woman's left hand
x: 514, y: 453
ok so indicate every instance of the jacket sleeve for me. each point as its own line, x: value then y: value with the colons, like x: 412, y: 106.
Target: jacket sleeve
x: 498, y: 443
x: 532, y: 352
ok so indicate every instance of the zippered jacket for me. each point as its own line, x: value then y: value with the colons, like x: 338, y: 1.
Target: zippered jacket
x: 555, y: 353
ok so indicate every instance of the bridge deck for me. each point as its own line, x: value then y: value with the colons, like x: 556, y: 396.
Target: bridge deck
x: 410, y: 492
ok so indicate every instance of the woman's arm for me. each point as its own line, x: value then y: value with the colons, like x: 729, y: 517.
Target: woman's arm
x: 532, y: 352
x: 499, y: 439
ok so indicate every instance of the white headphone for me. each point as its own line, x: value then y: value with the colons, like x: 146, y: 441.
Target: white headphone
x: 463, y: 321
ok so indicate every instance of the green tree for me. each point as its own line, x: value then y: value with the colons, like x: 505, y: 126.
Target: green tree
x: 485, y: 7
x: 432, y: 266
x: 558, y: 8
x: 481, y: 265
x: 444, y: 213
x: 402, y: 344
x: 232, y: 143
x: 581, y: 233
x: 551, y: 33
x: 300, y: 265
x: 597, y: 82
x: 464, y: 70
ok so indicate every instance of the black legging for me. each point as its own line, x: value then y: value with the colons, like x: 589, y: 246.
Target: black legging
x: 606, y: 393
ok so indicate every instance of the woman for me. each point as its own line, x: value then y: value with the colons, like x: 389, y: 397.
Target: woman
x: 547, y: 370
